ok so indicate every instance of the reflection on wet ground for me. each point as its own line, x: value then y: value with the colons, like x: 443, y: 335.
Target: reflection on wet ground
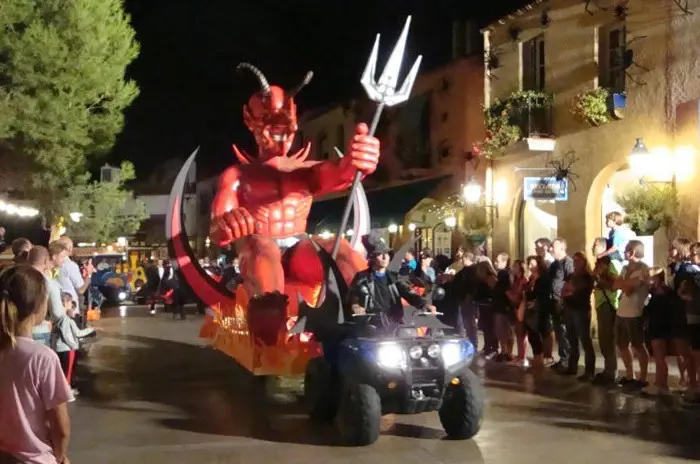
x: 151, y: 393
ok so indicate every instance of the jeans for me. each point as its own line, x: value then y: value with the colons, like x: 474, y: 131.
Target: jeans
x: 606, y: 337
x: 578, y: 325
x: 559, y: 324
x: 487, y: 323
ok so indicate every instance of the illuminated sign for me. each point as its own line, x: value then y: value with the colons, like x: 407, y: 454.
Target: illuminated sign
x: 545, y: 188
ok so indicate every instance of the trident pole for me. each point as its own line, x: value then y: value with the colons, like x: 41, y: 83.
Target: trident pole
x: 385, y: 94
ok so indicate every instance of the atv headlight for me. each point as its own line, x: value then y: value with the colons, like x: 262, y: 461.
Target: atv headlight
x: 415, y: 352
x: 391, y: 355
x: 122, y: 296
x: 456, y: 352
x: 434, y: 351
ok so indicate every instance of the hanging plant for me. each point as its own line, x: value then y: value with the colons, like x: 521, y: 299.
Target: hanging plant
x: 591, y: 106
x: 501, y: 119
x: 649, y: 207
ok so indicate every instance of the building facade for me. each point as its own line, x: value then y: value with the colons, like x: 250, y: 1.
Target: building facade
x: 584, y: 81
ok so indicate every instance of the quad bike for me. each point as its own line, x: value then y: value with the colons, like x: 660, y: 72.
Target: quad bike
x: 372, y: 371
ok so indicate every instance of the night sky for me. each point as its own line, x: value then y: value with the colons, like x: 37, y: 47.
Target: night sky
x: 191, y: 94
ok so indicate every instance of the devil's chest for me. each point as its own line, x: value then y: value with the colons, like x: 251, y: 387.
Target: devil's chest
x: 268, y: 187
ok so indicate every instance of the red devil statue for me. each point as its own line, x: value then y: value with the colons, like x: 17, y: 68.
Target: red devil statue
x: 263, y: 203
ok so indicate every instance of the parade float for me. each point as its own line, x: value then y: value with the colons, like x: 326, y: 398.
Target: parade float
x: 261, y: 208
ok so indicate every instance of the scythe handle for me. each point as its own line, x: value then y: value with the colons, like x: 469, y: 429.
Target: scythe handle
x: 355, y: 182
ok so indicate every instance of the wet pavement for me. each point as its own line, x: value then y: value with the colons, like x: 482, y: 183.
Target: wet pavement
x: 152, y: 393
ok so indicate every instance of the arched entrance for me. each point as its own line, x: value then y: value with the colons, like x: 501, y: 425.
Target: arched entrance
x: 600, y: 200
x: 531, y: 219
x: 538, y: 218
x: 610, y: 182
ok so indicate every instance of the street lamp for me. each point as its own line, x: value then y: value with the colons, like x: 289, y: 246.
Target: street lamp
x: 471, y: 192
x: 451, y: 222
x: 393, y: 228
x: 639, y: 159
x: 412, y: 227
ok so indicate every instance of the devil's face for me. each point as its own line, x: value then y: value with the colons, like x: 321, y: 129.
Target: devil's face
x: 272, y: 118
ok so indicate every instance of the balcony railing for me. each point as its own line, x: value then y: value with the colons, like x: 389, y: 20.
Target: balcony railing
x: 533, y: 118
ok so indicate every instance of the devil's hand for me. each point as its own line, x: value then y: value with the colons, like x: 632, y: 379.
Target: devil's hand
x: 363, y: 150
x: 235, y: 224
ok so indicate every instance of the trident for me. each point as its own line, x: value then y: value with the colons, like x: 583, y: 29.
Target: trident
x: 384, y: 93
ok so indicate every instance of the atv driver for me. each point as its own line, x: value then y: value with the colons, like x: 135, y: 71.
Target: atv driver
x: 378, y: 290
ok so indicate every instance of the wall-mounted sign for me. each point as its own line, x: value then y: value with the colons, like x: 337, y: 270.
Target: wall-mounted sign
x: 545, y: 188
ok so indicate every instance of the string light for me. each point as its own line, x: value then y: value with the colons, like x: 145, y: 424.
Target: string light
x: 16, y: 210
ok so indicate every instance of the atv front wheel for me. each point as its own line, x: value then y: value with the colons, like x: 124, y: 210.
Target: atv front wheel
x: 359, y: 414
x: 319, y: 391
x: 462, y: 409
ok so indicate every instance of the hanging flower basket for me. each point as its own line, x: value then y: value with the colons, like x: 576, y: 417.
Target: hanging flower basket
x: 501, y: 119
x: 591, y: 106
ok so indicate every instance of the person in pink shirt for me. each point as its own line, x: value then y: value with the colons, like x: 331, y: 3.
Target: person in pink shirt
x: 34, y: 421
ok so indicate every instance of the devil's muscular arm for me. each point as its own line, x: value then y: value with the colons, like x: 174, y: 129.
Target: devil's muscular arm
x: 226, y: 200
x: 362, y: 155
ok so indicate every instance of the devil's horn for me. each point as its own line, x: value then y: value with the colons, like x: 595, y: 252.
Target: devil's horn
x: 264, y: 85
x: 241, y: 155
x: 204, y: 287
x: 304, y: 82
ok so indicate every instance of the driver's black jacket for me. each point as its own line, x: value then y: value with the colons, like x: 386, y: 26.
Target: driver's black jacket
x: 368, y: 299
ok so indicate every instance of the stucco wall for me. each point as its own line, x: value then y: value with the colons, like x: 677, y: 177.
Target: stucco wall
x: 667, y: 50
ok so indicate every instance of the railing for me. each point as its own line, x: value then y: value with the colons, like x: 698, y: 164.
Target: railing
x: 533, y: 118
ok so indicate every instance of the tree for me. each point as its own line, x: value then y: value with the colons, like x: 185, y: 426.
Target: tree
x: 107, y: 209
x: 62, y: 88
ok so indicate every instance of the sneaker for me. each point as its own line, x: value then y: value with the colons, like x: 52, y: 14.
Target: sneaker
x: 603, y: 379
x: 653, y: 390
x: 625, y: 382
x: 75, y: 391
x: 640, y: 384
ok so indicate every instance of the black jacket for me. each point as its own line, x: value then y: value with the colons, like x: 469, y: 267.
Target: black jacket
x: 398, y: 288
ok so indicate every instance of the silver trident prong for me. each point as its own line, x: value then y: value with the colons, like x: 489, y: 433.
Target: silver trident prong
x: 383, y: 92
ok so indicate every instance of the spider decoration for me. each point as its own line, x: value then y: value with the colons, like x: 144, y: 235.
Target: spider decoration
x: 621, y: 10
x: 683, y: 5
x: 562, y: 168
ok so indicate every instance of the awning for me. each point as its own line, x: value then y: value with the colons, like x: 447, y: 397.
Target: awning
x: 386, y: 205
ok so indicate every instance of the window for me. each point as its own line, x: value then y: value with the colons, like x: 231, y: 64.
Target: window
x: 612, y: 47
x: 533, y: 63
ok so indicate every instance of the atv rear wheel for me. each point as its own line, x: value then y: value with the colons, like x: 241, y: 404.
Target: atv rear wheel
x: 462, y: 409
x: 319, y: 394
x: 359, y: 414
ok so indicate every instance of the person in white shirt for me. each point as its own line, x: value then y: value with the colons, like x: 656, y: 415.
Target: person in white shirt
x: 69, y: 276
x: 629, y: 326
